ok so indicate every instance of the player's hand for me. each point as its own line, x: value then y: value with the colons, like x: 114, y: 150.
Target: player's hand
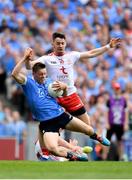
x: 57, y: 85
x: 73, y: 142
x: 114, y: 42
x: 126, y: 127
x: 107, y: 126
x: 28, y: 55
x: 77, y: 149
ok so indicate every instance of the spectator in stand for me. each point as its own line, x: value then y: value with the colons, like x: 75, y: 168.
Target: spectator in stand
x: 117, y: 121
x: 2, y: 120
x: 20, y: 126
x: 16, y: 127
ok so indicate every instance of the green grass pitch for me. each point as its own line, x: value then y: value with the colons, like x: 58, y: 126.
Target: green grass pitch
x: 65, y: 170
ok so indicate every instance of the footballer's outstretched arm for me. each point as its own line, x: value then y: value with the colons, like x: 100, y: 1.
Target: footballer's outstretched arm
x: 96, y: 52
x: 16, y: 73
x: 30, y: 63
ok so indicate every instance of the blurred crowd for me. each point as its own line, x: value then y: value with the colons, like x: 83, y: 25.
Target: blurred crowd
x: 11, y: 124
x: 88, y: 24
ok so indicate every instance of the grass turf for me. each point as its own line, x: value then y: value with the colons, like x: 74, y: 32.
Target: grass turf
x: 65, y: 170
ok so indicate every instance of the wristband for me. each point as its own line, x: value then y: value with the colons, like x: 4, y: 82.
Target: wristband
x: 108, y: 46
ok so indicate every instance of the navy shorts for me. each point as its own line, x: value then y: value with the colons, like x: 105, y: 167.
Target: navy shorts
x: 117, y: 130
x: 54, y: 125
x: 78, y: 112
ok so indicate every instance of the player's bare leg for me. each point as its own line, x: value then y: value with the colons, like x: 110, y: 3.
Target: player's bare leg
x: 51, y: 140
x: 51, y: 143
x: 78, y: 126
x: 120, y: 149
x: 85, y: 118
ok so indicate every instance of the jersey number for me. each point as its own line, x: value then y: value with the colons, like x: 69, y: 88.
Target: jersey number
x: 117, y: 117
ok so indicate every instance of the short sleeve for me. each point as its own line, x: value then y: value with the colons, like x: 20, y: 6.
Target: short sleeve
x: 27, y: 83
x: 76, y: 56
x: 42, y: 59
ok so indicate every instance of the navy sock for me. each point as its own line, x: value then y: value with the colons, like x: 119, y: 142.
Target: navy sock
x: 94, y: 136
x: 69, y: 155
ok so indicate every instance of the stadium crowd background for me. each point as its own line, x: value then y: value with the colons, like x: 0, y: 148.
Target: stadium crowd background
x: 88, y: 24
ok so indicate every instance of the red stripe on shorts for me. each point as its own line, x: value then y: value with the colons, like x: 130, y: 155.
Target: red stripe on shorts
x: 71, y: 103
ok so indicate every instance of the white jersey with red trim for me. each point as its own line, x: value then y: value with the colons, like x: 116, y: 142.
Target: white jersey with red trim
x: 61, y: 68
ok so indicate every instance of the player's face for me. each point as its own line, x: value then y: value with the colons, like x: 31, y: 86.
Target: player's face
x: 40, y: 76
x: 59, y: 46
x: 117, y: 91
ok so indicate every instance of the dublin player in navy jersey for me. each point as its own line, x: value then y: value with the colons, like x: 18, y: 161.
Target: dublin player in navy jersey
x: 47, y: 111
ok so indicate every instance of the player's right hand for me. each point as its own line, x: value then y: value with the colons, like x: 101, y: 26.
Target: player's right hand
x: 28, y: 55
x: 107, y: 126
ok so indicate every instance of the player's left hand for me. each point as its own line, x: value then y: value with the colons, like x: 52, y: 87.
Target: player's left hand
x: 115, y: 42
x: 77, y: 149
x: 73, y: 142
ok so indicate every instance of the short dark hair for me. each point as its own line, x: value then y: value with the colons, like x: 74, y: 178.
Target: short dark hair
x: 38, y: 66
x: 58, y: 35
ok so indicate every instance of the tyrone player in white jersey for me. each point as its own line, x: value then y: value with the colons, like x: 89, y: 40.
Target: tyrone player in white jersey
x: 59, y: 65
x: 43, y: 154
